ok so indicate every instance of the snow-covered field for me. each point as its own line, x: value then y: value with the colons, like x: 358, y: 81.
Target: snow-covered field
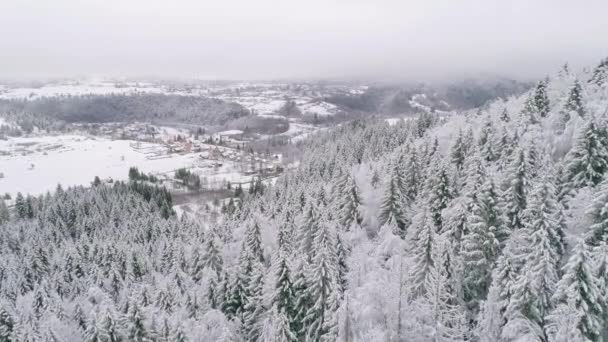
x: 37, y: 164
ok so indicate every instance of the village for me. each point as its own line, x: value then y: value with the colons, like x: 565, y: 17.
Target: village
x: 221, y: 158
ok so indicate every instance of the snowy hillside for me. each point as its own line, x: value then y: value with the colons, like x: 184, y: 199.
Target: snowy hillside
x: 486, y: 225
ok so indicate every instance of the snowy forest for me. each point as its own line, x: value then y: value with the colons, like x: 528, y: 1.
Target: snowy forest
x: 489, y: 225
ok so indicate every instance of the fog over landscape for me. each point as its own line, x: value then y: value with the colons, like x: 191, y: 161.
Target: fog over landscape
x: 303, y: 171
x: 240, y: 39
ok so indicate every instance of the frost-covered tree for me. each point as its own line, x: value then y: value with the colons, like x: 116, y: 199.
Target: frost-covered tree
x: 504, y: 115
x: 439, y: 194
x: 349, y: 201
x: 212, y: 258
x: 393, y: 206
x: 308, y: 224
x: 530, y: 301
x: 458, y: 151
x: 480, y: 248
x: 422, y: 250
x: 600, y: 73
x: 598, y: 213
x: 322, y: 278
x: 587, y: 161
x: 254, y: 242
x: 284, y: 299
x: 516, y: 189
x: 442, y: 317
x: 4, y: 213
x: 579, y: 285
x: 575, y: 100
x: 486, y: 141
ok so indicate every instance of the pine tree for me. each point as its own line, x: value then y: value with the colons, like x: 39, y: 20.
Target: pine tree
x: 587, y: 161
x: 238, y: 294
x: 254, y: 242
x: 504, y: 116
x: 446, y: 318
x: 530, y: 302
x: 458, y: 152
x: 4, y: 213
x: 277, y: 328
x: 541, y: 100
x: 341, y: 266
x: 306, y: 228
x: 349, y: 201
x: 504, y: 276
x: 543, y: 217
x: 21, y: 206
x: 579, y: 284
x: 392, y: 207
x: 598, y: 212
x: 480, y: 248
x: 439, y: 195
x: 212, y: 258
x: 136, y: 330
x: 600, y: 258
x: 111, y: 326
x: 303, y: 303
x: 563, y: 323
x: 7, y: 324
x: 284, y: 296
x: 486, y: 141
x: 422, y: 250
x: 600, y: 73
x: 516, y: 189
x: 253, y: 309
x: 322, y: 284
x: 575, y: 100
x: 411, y: 176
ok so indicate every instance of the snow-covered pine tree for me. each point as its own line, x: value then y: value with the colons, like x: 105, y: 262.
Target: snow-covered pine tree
x: 504, y: 115
x: 541, y: 100
x: 598, y: 213
x: 575, y: 100
x: 530, y: 302
x: 579, y: 284
x: 254, y: 242
x: 254, y: 308
x: 341, y: 266
x: 439, y: 194
x: 486, y: 140
x: 587, y: 161
x: 349, y: 201
x: 322, y: 285
x: 308, y: 224
x: 458, y: 151
x: 392, y: 208
x: 411, y: 182
x: 480, y: 248
x: 504, y: 276
x: 600, y: 258
x: 303, y: 302
x: 238, y: 292
x: 4, y: 213
x: 136, y: 328
x: 212, y: 258
x: 421, y: 248
x: 543, y: 214
x: 443, y: 318
x: 284, y: 298
x: 516, y: 189
x: 600, y: 73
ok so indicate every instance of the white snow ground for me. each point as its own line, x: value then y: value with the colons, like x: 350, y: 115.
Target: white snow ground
x: 37, y: 164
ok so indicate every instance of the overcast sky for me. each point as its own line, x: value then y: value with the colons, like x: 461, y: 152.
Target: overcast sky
x: 250, y: 39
